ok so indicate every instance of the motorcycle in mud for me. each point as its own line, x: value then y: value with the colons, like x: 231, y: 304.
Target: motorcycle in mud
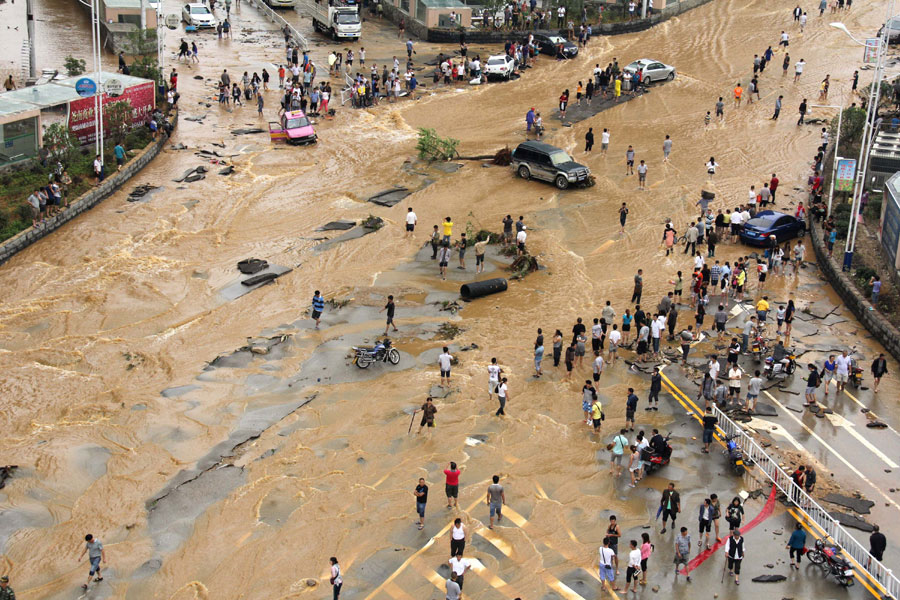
x: 382, y: 352
x: 832, y: 563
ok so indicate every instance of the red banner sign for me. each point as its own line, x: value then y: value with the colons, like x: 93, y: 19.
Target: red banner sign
x: 141, y: 99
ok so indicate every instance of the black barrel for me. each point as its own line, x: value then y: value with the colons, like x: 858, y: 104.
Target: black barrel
x: 707, y: 195
x: 477, y: 289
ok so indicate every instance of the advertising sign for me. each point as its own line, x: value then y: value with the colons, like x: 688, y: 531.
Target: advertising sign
x: 870, y: 53
x: 846, y: 173
x: 172, y: 21
x: 114, y: 87
x: 85, y: 87
x: 140, y: 98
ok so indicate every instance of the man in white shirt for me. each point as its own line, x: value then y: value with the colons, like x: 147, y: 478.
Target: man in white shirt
x: 459, y: 566
x: 520, y: 241
x: 656, y: 328
x: 615, y: 336
x: 604, y: 141
x: 634, y: 566
x: 596, y: 336
x: 736, y: 222
x: 751, y: 194
x: 494, y: 371
x: 714, y: 367
x: 445, y: 360
x: 842, y: 370
x: 798, y: 69
x: 411, y: 220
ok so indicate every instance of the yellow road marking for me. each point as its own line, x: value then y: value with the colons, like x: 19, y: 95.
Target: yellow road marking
x: 677, y: 392
x: 498, y: 543
x: 603, y: 247
x: 806, y: 525
x: 513, y: 516
x: 396, y: 593
x: 564, y: 590
x: 415, y: 555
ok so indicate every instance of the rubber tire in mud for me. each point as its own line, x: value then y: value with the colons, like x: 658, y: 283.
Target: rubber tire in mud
x: 770, y: 374
x: 363, y: 363
x: 791, y: 368
x: 394, y: 356
x: 739, y: 470
x: 561, y: 182
x: 670, y: 77
x: 524, y: 173
x: 815, y: 557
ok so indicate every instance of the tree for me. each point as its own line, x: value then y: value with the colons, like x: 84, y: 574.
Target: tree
x: 433, y: 147
x: 62, y: 144
x: 74, y: 66
x: 117, y: 116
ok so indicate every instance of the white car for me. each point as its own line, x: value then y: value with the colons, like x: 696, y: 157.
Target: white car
x: 653, y: 70
x: 500, y: 65
x: 199, y: 15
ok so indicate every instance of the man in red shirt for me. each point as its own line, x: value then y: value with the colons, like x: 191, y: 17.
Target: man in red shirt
x: 451, y: 485
x: 773, y: 185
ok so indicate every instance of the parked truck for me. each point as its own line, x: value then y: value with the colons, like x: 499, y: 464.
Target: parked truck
x: 338, y: 19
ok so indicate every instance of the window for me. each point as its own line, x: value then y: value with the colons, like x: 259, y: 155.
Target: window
x: 559, y: 157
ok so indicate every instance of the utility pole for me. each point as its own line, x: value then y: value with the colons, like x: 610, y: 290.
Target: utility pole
x: 32, y: 66
x: 143, y: 21
x: 868, y: 134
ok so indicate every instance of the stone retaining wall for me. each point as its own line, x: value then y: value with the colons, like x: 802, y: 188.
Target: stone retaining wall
x: 86, y: 201
x: 882, y: 330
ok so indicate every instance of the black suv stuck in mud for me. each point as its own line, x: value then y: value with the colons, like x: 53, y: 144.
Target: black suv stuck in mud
x: 542, y: 161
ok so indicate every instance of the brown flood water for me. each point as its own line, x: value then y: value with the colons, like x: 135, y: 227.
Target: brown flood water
x: 103, y: 315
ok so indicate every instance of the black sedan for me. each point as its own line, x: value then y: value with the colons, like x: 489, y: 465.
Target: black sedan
x: 758, y: 230
x: 548, y: 44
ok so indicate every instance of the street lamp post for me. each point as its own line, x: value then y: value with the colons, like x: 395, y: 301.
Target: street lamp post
x: 837, y: 140
x: 868, y: 132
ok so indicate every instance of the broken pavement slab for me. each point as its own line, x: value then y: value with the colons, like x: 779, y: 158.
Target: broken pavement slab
x: 857, y: 505
x: 236, y: 288
x: 848, y: 520
x: 390, y: 197
x: 339, y: 225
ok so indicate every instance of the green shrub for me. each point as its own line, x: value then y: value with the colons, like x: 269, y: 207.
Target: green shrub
x: 74, y: 66
x: 841, y: 214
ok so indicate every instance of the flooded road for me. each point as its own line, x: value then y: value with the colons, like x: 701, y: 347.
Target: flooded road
x: 138, y: 410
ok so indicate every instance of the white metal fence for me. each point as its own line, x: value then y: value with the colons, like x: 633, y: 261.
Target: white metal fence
x: 809, y: 507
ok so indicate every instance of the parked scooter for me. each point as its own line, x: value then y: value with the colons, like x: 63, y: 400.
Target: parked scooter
x: 832, y: 563
x: 381, y: 352
x: 734, y: 454
x: 758, y: 348
x: 856, y: 374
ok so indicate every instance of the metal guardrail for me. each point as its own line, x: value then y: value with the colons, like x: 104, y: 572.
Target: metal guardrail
x: 809, y: 507
x: 279, y: 20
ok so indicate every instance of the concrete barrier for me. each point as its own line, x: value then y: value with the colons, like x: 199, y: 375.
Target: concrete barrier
x: 886, y: 334
x: 87, y: 200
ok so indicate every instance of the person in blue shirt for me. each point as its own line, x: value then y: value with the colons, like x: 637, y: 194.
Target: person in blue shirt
x: 119, y: 151
x: 318, y: 306
x: 412, y: 87
x: 796, y: 544
x: 832, y: 237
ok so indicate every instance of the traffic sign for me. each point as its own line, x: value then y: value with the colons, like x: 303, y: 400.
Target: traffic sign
x: 114, y: 87
x: 85, y: 87
x: 172, y: 21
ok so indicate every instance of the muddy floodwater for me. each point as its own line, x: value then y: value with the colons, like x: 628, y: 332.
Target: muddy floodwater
x: 223, y: 448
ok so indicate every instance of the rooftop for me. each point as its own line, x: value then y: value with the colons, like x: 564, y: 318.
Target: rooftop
x: 54, y: 93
